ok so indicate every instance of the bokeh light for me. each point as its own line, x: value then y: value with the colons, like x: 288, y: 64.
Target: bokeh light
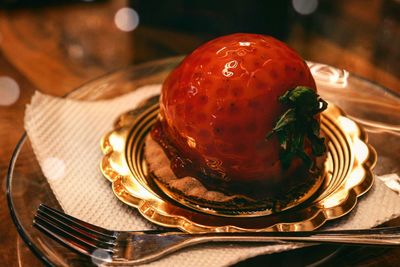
x: 100, y: 256
x: 9, y: 91
x: 126, y: 19
x: 305, y: 7
x: 75, y: 51
x: 54, y: 168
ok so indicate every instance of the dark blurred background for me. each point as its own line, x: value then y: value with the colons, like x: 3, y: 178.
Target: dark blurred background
x: 348, y: 30
x: 215, y: 18
x: 368, y: 27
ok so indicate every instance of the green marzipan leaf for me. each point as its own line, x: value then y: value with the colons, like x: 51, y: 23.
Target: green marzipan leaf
x: 286, y: 119
x: 298, y: 123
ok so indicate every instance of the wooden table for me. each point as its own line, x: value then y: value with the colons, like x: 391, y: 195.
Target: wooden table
x: 54, y: 49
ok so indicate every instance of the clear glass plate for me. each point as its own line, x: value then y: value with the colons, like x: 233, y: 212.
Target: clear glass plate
x: 374, y: 107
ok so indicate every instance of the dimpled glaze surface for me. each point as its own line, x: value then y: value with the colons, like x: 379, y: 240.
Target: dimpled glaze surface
x: 218, y: 105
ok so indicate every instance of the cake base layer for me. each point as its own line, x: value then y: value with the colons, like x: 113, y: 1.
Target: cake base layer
x: 191, y: 190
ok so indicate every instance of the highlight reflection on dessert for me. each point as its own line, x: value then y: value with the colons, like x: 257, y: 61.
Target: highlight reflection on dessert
x: 239, y: 125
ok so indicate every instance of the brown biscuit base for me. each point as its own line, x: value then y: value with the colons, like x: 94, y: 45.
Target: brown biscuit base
x: 191, y: 189
x: 189, y: 186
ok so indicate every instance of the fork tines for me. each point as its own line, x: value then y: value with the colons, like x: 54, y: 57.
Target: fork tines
x: 74, y: 233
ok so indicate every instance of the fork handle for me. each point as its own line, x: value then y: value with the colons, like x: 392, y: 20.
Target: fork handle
x: 154, y: 246
x: 170, y: 242
x: 382, y: 239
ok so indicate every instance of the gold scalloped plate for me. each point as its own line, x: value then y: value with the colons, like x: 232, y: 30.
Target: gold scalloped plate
x: 348, y: 175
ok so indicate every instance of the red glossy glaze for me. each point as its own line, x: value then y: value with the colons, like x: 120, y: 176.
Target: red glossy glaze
x: 218, y: 105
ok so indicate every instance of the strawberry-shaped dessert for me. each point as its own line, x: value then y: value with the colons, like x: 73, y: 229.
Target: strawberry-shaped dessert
x: 240, y: 114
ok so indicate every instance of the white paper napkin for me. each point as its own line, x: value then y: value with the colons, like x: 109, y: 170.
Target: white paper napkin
x: 65, y: 136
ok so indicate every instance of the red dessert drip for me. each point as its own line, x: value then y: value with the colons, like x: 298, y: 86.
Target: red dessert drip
x: 180, y: 166
x: 183, y: 164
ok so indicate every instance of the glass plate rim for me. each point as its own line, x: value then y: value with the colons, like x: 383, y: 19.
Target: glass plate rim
x: 10, y: 204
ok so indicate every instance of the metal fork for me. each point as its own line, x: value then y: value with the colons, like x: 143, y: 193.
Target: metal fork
x: 123, y: 247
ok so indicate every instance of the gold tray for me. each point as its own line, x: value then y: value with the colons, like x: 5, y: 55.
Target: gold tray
x: 348, y: 175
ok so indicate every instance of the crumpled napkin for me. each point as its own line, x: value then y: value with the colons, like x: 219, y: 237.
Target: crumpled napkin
x: 65, y: 137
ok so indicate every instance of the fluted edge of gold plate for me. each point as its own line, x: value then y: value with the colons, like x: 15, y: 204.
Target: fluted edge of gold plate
x: 348, y: 167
